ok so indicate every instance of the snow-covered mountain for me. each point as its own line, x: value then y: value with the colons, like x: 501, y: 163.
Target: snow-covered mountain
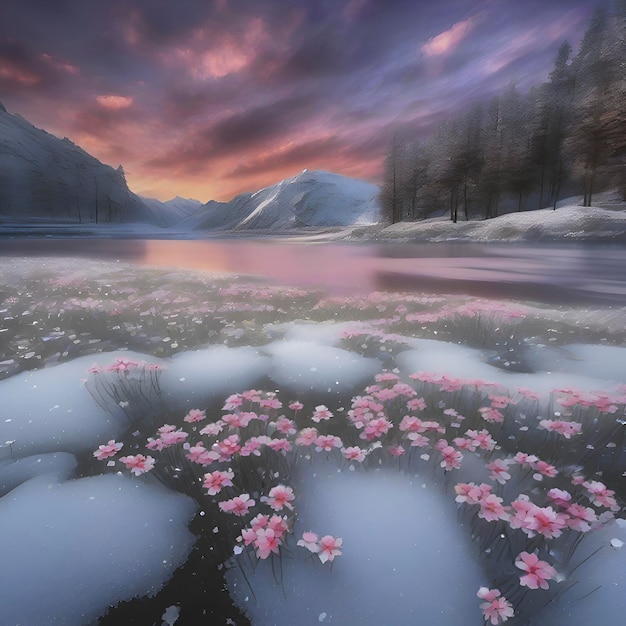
x: 312, y: 198
x: 171, y: 211
x: 46, y: 178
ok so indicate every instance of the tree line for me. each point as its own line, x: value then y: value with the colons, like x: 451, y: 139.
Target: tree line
x: 523, y: 151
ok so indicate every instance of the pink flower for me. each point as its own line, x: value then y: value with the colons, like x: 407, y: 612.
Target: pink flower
x: 329, y: 548
x: 195, y: 415
x: 396, y: 450
x: 560, y: 497
x: 279, y: 497
x: 567, y: 429
x: 307, y: 437
x: 321, y: 413
x: 237, y: 420
x: 416, y: 404
x: 199, y: 454
x: 451, y: 458
x: 492, y: 509
x: 266, y: 542
x: 215, y: 481
x: 537, y: 572
x: 545, y: 469
x: 279, y: 445
x: 545, y: 521
x: 499, y: 471
x: 418, y: 440
x: 271, y: 403
x: 232, y: 402
x: 226, y: 448
x: 296, y: 406
x: 497, y: 608
x: 353, y: 453
x: 285, y: 426
x: 471, y: 493
x: 327, y: 443
x: 214, y: 428
x: 170, y: 436
x: 138, y: 463
x: 581, y: 518
x: 310, y: 542
x: 525, y: 459
x: 107, y: 450
x: 490, y: 414
x: 376, y: 428
x: 239, y: 505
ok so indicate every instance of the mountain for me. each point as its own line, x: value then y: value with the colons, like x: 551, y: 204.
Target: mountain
x: 310, y: 199
x: 43, y: 177
x: 171, y: 211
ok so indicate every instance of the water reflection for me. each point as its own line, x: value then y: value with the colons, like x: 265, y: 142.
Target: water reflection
x: 561, y: 274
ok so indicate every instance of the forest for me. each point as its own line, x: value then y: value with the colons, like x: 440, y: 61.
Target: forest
x: 523, y: 151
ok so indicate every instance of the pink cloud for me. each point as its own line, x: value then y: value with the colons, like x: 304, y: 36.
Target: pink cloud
x: 207, y: 56
x: 445, y: 43
x: 114, y: 103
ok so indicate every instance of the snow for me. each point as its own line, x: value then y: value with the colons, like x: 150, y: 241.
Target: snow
x: 572, y: 369
x: 305, y: 366
x: 599, y: 595
x: 49, y: 410
x: 73, y: 548
x: 569, y: 223
x: 379, y: 515
x: 200, y: 377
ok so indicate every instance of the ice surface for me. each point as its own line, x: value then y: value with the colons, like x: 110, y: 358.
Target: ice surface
x: 405, y: 559
x: 70, y: 550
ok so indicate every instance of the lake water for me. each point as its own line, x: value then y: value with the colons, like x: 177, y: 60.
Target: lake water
x: 254, y: 432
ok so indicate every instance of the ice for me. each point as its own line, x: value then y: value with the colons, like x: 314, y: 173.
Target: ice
x: 304, y: 366
x: 72, y: 549
x: 405, y: 559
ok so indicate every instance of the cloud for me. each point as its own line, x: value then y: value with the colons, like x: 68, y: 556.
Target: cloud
x: 114, y: 103
x: 446, y: 42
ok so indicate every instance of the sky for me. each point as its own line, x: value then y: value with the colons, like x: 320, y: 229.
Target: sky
x: 211, y: 98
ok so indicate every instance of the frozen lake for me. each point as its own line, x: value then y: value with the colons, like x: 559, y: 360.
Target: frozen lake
x: 253, y: 432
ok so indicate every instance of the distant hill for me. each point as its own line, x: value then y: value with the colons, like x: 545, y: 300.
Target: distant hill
x: 46, y: 178
x: 310, y: 199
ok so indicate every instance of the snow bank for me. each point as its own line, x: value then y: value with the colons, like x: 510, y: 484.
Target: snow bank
x: 71, y: 550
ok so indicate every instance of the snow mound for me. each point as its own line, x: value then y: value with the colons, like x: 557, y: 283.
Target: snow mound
x: 310, y: 199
